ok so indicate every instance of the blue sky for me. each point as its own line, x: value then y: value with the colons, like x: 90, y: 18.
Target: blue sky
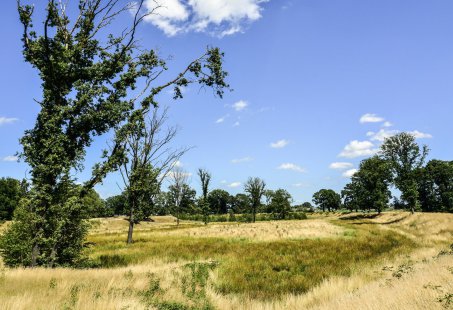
x: 317, y: 85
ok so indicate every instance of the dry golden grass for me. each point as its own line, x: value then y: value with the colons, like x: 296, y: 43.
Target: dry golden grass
x: 413, y: 281
x: 263, y: 231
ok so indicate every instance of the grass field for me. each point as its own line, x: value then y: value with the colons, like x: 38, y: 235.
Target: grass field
x: 329, y: 261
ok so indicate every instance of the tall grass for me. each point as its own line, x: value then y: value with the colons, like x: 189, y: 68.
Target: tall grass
x: 266, y: 269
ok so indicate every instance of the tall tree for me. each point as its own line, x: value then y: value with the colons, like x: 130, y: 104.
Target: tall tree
x: 327, y: 199
x: 255, y: 189
x: 435, y: 185
x: 219, y: 201
x: 178, y: 190
x: 203, y: 203
x: 89, y: 84
x: 150, y: 158
x: 370, y: 185
x: 405, y: 157
x: 280, y: 203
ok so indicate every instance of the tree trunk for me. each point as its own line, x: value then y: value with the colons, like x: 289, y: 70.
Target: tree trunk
x: 34, y: 255
x: 131, y: 224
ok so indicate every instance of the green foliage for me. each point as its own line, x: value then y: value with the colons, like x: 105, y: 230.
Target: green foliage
x: 254, y: 187
x: 89, y: 85
x: 280, y: 204
x: 219, y: 201
x: 11, y: 191
x: 116, y: 205
x: 405, y: 157
x: 327, y: 199
x: 435, y: 186
x: 187, y: 202
x: 369, y: 187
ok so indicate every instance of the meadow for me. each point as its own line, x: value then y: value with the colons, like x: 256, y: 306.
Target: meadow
x: 395, y: 260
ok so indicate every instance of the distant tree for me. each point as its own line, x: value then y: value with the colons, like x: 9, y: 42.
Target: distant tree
x: 373, y: 178
x: 149, y: 159
x: 203, y: 203
x: 255, y: 189
x: 181, y: 195
x: 117, y: 205
x: 405, y: 157
x: 351, y: 195
x: 280, y: 203
x: 435, y: 186
x: 11, y: 192
x: 219, y: 201
x: 240, y: 203
x: 268, y: 195
x: 304, y: 207
x: 327, y: 199
x: 94, y: 205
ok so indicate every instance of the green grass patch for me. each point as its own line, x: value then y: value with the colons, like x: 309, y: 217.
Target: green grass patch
x: 265, y: 269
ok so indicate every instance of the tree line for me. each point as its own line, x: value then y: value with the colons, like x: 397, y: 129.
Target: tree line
x: 400, y: 164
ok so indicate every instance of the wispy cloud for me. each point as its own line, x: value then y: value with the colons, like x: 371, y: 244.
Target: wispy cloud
x: 279, y: 144
x: 240, y: 105
x: 291, y: 166
x: 7, y: 120
x: 340, y: 165
x: 222, y: 119
x: 234, y: 184
x: 10, y: 158
x: 371, y: 118
x: 241, y: 160
x: 420, y: 135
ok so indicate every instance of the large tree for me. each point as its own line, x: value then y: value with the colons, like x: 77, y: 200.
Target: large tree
x: 280, y: 203
x: 255, y: 188
x: 369, y: 187
x: 435, y: 186
x: 90, y: 85
x: 203, y: 203
x: 327, y: 199
x: 405, y: 157
x: 219, y: 201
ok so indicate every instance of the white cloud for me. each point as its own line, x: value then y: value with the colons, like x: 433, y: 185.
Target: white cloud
x: 236, y: 124
x: 357, y: 148
x: 420, y: 135
x: 291, y: 166
x: 340, y: 165
x: 7, y: 120
x: 241, y: 160
x: 10, y: 158
x: 301, y: 185
x: 240, y: 105
x: 221, y: 120
x: 234, y: 184
x: 217, y: 17
x: 381, y: 135
x: 387, y: 124
x: 349, y: 173
x: 371, y: 118
x: 279, y: 144
x: 223, y: 182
